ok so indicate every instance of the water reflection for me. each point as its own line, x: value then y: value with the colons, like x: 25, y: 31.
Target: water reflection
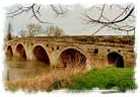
x: 23, y: 69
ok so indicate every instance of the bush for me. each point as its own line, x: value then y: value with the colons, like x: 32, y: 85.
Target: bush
x: 107, y: 78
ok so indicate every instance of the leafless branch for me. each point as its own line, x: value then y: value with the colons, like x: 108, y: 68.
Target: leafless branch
x: 58, y: 10
x: 122, y: 8
x: 124, y: 11
x: 35, y: 14
x: 99, y: 29
x: 102, y: 11
x: 114, y: 23
x: 33, y: 8
x: 15, y: 11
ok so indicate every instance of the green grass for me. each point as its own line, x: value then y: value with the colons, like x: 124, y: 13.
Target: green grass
x: 108, y: 78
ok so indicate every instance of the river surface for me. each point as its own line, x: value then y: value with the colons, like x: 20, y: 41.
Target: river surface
x: 21, y: 69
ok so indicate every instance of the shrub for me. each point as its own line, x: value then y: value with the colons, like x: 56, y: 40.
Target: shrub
x: 107, y: 78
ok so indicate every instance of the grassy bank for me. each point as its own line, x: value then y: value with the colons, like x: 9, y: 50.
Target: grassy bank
x: 121, y: 79
x: 108, y: 78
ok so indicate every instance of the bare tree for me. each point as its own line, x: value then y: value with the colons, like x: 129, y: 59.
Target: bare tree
x: 119, y: 22
x: 23, y: 33
x: 9, y: 36
x: 33, y: 29
x: 55, y: 31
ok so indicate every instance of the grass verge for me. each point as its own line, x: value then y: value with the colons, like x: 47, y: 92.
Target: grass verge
x: 121, y: 79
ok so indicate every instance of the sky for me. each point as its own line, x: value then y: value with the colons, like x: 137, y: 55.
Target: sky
x: 73, y: 22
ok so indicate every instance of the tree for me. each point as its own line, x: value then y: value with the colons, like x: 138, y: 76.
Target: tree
x: 23, y: 33
x: 55, y: 31
x: 9, y: 36
x: 33, y: 29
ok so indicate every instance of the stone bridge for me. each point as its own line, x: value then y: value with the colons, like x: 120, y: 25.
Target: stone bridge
x: 97, y: 51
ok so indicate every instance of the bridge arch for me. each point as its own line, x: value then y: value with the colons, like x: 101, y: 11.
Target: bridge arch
x: 116, y: 59
x: 9, y: 51
x: 72, y: 56
x: 20, y: 50
x: 41, y: 54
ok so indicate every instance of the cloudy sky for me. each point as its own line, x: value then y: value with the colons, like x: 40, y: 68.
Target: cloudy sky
x: 73, y: 21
